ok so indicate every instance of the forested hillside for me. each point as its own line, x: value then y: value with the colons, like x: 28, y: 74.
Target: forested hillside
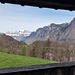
x: 52, y: 50
x: 10, y: 45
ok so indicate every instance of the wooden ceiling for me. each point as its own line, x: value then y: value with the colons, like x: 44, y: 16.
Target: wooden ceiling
x: 56, y: 4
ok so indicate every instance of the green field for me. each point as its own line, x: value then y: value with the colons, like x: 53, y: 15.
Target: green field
x: 9, y: 60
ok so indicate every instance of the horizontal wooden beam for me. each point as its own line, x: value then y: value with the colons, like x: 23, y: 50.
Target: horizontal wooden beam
x: 56, y: 4
x: 36, y: 68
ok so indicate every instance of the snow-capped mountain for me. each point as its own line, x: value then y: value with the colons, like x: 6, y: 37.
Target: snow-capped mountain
x: 19, y: 35
x: 64, y: 32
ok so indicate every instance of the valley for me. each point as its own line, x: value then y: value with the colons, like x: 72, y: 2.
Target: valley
x: 53, y: 42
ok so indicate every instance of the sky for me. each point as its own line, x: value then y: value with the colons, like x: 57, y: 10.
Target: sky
x: 16, y: 17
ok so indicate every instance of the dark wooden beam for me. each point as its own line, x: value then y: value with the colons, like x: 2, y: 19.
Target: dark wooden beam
x: 56, y: 4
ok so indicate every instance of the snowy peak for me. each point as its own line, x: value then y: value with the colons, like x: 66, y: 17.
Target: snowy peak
x: 19, y: 35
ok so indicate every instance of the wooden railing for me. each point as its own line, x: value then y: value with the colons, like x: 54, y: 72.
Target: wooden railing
x: 47, y: 69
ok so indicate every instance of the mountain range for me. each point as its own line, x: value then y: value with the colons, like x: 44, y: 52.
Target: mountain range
x: 64, y: 32
x: 59, y: 32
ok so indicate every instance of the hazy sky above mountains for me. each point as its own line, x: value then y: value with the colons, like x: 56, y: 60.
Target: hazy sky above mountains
x: 16, y: 17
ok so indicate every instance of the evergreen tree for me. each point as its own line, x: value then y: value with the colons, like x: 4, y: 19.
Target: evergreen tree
x: 24, y: 50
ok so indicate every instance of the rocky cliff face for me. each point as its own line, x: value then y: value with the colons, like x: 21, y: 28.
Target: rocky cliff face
x: 60, y: 32
x: 69, y: 33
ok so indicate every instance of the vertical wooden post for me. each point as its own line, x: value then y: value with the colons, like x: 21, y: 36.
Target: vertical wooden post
x: 67, y: 71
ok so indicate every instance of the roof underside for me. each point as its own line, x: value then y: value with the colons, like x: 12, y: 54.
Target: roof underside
x: 56, y: 4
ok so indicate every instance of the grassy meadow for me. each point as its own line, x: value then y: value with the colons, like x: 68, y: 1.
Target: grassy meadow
x: 10, y: 60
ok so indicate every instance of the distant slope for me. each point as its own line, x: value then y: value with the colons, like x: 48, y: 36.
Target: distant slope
x: 8, y: 60
x: 60, y: 32
x: 10, y: 45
